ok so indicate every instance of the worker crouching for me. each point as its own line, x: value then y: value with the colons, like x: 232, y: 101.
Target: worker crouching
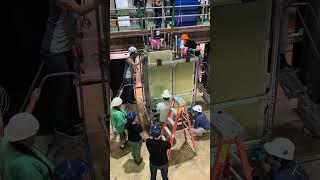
x: 135, y: 136
x: 280, y: 161
x: 163, y: 107
x: 119, y: 120
x: 201, y: 126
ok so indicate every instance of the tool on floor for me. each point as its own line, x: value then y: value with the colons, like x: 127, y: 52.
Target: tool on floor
x: 181, y: 119
x: 230, y: 133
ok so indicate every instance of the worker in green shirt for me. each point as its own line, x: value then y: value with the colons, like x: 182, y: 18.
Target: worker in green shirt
x: 19, y: 159
x: 119, y: 120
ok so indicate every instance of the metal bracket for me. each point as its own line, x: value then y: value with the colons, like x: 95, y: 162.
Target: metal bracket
x: 267, y: 98
x: 159, y: 62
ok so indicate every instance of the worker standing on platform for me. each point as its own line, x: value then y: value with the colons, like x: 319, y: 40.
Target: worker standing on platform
x: 119, y: 120
x: 135, y: 136
x: 201, y: 125
x: 131, y: 63
x: 158, y: 153
x: 56, y: 50
x: 163, y: 107
x: 190, y: 45
x: 280, y: 161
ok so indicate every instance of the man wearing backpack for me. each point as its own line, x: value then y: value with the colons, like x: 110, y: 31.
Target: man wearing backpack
x: 280, y: 161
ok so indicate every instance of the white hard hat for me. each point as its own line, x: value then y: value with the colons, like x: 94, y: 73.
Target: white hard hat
x: 166, y: 94
x: 116, y: 102
x: 280, y: 147
x: 21, y: 126
x: 132, y: 49
x: 197, y: 108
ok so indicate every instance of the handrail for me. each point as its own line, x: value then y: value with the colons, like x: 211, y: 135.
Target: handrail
x: 160, y: 7
x: 153, y: 17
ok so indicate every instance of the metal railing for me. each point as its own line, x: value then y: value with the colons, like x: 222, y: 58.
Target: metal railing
x: 204, y: 15
x: 161, y: 7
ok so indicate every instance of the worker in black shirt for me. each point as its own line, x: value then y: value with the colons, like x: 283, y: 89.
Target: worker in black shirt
x: 135, y: 136
x: 158, y: 153
x: 191, y: 45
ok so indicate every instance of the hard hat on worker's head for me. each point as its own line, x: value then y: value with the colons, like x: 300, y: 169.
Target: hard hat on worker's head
x: 184, y: 37
x: 132, y: 49
x: 197, y: 108
x: 21, y: 126
x: 131, y: 117
x: 155, y: 130
x: 71, y: 169
x: 116, y: 102
x: 166, y: 94
x: 280, y: 147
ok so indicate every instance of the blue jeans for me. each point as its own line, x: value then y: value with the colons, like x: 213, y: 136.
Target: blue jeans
x: 163, y: 169
x: 60, y: 90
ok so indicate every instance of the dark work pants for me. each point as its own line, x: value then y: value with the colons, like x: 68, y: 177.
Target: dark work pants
x: 128, y: 92
x: 60, y: 90
x: 163, y: 169
x: 157, y: 21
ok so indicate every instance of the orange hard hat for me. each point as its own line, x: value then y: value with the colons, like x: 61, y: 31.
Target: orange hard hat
x: 184, y: 37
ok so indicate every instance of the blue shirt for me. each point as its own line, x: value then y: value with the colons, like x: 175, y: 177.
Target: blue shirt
x: 202, y: 121
x: 291, y: 172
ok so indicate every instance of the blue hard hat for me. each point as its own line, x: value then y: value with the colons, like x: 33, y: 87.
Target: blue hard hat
x: 155, y: 130
x: 70, y: 170
x: 131, y: 116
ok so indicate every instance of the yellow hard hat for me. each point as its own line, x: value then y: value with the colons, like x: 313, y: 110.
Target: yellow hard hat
x: 184, y: 37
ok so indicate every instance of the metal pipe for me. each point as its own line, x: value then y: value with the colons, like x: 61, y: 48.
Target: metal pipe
x: 153, y: 17
x: 235, y: 173
x: 32, y: 86
x: 275, y: 68
x: 157, y: 7
x: 77, y: 77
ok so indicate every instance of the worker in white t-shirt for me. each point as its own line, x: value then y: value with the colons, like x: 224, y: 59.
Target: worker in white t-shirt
x: 163, y: 107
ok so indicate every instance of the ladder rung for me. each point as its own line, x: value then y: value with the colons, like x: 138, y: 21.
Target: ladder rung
x: 174, y: 111
x: 235, y: 173
x: 235, y: 157
x: 168, y: 131
x: 171, y: 122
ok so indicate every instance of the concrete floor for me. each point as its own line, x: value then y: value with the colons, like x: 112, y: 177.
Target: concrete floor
x: 183, y: 163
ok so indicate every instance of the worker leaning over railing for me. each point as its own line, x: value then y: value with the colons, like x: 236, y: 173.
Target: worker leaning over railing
x: 189, y: 46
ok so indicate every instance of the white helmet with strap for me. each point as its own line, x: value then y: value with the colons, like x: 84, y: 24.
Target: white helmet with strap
x: 132, y: 49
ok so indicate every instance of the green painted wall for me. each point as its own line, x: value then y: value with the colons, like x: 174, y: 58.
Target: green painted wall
x: 238, y: 60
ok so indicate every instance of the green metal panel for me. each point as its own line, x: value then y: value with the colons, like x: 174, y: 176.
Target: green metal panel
x: 239, y: 60
x: 160, y: 78
x: 163, y: 55
x: 184, y: 74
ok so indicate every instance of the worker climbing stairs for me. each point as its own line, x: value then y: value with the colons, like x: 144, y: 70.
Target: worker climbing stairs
x: 178, y: 120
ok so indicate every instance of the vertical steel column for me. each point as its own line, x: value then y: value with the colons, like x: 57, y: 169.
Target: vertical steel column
x: 275, y: 65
